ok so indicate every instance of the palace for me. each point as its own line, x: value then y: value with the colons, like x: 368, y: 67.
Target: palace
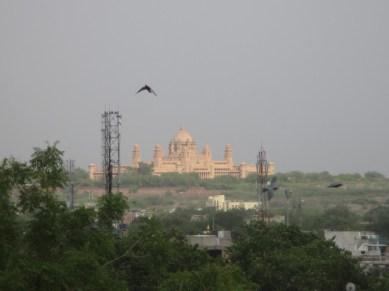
x: 183, y: 157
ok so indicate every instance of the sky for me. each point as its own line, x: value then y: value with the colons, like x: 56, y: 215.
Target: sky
x: 307, y: 79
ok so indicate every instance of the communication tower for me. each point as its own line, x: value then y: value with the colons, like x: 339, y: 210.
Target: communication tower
x: 262, y: 174
x: 111, y: 148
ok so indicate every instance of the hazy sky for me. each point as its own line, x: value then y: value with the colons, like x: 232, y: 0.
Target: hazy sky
x: 309, y: 79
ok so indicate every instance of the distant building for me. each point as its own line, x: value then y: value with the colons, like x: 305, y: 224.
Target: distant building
x: 95, y: 173
x: 220, y: 203
x: 359, y: 243
x: 198, y: 217
x: 215, y: 245
x: 183, y: 157
x: 364, y: 245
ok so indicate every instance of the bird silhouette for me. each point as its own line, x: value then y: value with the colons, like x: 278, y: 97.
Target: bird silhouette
x: 335, y: 185
x: 148, y: 89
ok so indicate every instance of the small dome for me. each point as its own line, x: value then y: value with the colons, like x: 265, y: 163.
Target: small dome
x: 183, y: 136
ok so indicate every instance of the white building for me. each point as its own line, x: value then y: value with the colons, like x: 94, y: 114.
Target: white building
x: 359, y: 243
x: 220, y: 203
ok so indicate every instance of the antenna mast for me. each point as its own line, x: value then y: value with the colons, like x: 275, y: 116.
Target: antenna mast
x: 111, y: 148
x: 262, y: 172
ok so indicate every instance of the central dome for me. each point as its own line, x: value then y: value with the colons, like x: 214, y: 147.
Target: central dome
x: 183, y: 136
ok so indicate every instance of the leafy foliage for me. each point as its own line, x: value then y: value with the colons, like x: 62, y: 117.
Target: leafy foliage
x: 278, y: 257
x: 111, y: 209
x: 47, y: 167
x: 339, y: 217
x: 379, y: 220
x: 46, y: 246
x: 150, y: 254
x: 372, y: 175
x: 209, y: 277
x: 43, y: 242
x: 145, y: 169
x: 144, y: 179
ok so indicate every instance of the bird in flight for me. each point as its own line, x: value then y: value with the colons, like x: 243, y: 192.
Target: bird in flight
x: 335, y: 185
x: 148, y: 89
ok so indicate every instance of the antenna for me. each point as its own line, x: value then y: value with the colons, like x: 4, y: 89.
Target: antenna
x: 111, y: 148
x: 262, y: 172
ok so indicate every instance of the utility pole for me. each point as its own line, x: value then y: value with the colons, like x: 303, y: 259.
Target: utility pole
x: 70, y: 169
x: 111, y: 148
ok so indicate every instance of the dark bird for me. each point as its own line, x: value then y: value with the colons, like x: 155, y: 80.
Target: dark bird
x: 270, y: 188
x: 147, y: 88
x: 335, y: 185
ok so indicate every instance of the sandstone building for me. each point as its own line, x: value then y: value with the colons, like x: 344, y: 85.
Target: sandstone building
x: 183, y: 157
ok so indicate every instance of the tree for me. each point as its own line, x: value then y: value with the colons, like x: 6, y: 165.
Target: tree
x: 372, y: 175
x: 111, y: 208
x: 145, y: 169
x: 295, y: 176
x: 339, y: 218
x: 221, y: 182
x: 150, y: 254
x: 48, y: 168
x: 213, y: 277
x: 12, y: 174
x: 277, y: 257
x: 180, y: 220
x: 233, y: 220
x: 44, y: 245
x: 80, y: 177
x: 379, y: 220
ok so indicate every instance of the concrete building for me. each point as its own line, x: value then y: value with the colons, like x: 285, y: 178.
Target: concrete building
x: 215, y: 245
x: 220, y: 203
x: 364, y: 245
x: 183, y: 157
x: 359, y: 243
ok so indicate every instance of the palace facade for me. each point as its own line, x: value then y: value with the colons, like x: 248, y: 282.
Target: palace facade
x: 183, y: 157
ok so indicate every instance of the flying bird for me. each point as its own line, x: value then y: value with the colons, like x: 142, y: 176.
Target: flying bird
x: 335, y: 185
x: 148, y: 89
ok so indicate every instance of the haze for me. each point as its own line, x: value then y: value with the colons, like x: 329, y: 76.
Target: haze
x: 307, y: 79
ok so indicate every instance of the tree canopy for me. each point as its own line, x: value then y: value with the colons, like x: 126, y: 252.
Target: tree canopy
x: 278, y: 257
x: 45, y: 245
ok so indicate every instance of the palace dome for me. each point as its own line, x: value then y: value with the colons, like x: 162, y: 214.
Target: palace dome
x: 183, y: 136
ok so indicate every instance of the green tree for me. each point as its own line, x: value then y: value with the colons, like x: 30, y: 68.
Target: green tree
x: 12, y: 174
x: 277, y: 257
x: 339, y: 218
x: 233, y: 220
x: 379, y: 220
x: 80, y: 177
x: 378, y: 280
x: 180, y: 220
x: 145, y: 169
x: 48, y: 168
x: 150, y: 254
x: 295, y: 176
x: 213, y: 277
x: 44, y: 245
x: 111, y: 208
x: 372, y: 175
x: 221, y: 183
x: 349, y: 177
